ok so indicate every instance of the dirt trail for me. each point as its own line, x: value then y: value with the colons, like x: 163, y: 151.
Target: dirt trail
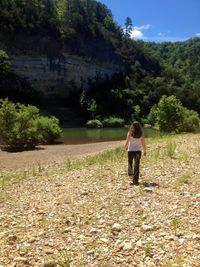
x: 51, y: 153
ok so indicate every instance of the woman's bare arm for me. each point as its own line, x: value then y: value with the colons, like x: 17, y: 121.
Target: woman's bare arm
x: 127, y: 139
x: 144, y: 145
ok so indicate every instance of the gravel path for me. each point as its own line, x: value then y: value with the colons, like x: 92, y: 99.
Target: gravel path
x: 51, y: 153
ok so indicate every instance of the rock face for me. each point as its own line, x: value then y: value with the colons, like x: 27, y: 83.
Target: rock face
x: 55, y: 75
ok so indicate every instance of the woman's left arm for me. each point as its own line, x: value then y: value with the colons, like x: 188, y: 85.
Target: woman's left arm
x: 144, y: 145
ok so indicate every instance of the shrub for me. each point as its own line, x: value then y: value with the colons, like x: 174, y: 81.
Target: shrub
x: 94, y: 124
x: 171, y: 116
x: 152, y: 116
x: 21, y: 126
x: 190, y: 120
x: 48, y: 129
x: 113, y: 122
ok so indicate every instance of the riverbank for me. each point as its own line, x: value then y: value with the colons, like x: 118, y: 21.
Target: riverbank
x: 48, y: 154
x: 86, y: 213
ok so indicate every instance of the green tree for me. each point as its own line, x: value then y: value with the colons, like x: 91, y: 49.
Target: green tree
x: 169, y: 114
x: 22, y: 127
x: 128, y: 26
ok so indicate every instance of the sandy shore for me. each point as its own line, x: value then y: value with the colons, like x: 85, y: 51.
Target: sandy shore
x: 51, y: 153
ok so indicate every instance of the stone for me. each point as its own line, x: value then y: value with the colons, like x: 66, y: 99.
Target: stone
x: 147, y: 228
x: 128, y: 246
x: 116, y: 227
x: 50, y: 264
x: 21, y: 259
x: 93, y: 231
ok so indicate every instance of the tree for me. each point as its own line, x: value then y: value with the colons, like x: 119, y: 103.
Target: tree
x: 128, y: 26
x: 171, y: 116
x: 22, y: 126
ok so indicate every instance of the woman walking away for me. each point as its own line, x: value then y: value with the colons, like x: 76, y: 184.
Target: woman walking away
x: 135, y: 142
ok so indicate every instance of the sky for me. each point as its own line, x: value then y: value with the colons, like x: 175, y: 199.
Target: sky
x: 158, y: 20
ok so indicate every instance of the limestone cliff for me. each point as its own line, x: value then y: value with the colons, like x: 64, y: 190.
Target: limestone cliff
x: 54, y: 75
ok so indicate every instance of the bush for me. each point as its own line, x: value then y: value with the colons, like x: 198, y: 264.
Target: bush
x: 48, y: 129
x: 113, y: 122
x: 94, y: 124
x: 190, y: 120
x: 21, y: 126
x: 152, y: 116
x: 171, y: 116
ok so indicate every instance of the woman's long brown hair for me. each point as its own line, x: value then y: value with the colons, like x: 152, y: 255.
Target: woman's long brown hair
x: 136, y: 129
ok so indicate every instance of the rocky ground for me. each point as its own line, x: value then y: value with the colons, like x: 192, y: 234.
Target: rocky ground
x: 86, y: 213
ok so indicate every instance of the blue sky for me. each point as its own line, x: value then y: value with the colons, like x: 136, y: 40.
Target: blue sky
x: 158, y: 20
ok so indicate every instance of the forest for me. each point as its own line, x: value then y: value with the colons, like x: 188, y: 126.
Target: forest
x: 87, y: 28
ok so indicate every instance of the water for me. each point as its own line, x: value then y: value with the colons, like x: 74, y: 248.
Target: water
x: 85, y: 135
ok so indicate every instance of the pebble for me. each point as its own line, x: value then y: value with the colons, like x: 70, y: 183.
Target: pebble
x: 90, y: 252
x: 116, y: 227
x: 21, y: 259
x: 104, y: 240
x: 93, y: 231
x: 148, y: 189
x: 128, y: 246
x: 147, y: 228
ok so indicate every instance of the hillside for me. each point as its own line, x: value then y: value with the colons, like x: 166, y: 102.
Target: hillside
x: 85, y: 213
x: 73, y: 54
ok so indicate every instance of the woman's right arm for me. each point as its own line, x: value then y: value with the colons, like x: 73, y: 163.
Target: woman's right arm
x: 127, y: 139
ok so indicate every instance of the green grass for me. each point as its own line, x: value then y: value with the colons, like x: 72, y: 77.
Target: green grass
x: 99, y: 159
x: 183, y: 179
x: 65, y: 260
x: 170, y: 149
x: 176, y: 222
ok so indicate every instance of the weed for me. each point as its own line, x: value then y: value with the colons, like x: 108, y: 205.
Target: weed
x: 198, y: 150
x: 184, y: 156
x: 39, y: 167
x: 181, y: 180
x: 170, y: 149
x: 65, y: 260
x: 175, y: 224
x: 34, y: 172
x: 178, y: 262
x: 148, y: 250
x: 157, y: 154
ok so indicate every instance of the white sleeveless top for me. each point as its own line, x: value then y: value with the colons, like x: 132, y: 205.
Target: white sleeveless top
x: 134, y: 144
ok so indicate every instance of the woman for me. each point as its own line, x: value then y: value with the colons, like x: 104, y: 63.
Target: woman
x: 135, y: 142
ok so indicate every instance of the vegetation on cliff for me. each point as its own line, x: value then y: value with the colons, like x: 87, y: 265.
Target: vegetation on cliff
x: 87, y: 28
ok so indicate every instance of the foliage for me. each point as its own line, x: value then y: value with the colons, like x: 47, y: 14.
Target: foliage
x: 21, y: 126
x: 190, y: 122
x: 73, y: 22
x: 171, y: 116
x: 152, y: 116
x: 87, y: 28
x: 113, y: 122
x: 94, y: 124
x: 48, y: 129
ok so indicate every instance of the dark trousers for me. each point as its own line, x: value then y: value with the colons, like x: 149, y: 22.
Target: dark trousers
x: 136, y: 155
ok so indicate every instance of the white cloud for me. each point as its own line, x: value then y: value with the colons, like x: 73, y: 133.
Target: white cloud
x: 198, y: 34
x: 143, y: 27
x: 137, y: 33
